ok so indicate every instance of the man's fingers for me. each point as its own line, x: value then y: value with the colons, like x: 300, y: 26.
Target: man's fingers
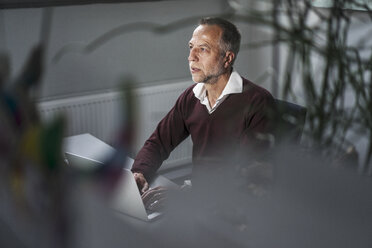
x: 141, y: 182
x: 150, y: 196
x: 153, y: 191
x: 145, y: 187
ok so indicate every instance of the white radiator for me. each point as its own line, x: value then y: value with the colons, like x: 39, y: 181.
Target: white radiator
x: 100, y: 115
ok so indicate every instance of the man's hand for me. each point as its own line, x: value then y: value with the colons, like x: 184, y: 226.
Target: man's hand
x: 141, y: 181
x: 154, y: 199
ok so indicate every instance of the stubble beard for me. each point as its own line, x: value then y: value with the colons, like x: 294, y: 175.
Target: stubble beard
x: 213, y: 78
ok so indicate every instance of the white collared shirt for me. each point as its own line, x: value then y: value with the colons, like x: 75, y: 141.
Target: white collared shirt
x: 234, y: 85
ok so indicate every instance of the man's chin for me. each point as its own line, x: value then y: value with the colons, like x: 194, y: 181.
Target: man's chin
x: 197, y: 79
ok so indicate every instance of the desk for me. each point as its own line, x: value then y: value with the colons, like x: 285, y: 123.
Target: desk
x: 187, y: 222
x: 87, y: 145
x: 91, y: 147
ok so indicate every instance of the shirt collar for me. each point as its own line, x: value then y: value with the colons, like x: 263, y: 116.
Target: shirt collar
x: 234, y: 85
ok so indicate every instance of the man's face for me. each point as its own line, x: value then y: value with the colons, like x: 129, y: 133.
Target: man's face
x: 206, y: 59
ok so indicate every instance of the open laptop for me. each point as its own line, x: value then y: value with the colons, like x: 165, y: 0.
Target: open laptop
x: 126, y: 199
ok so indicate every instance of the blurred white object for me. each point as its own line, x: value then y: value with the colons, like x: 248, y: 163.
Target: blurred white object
x: 242, y: 6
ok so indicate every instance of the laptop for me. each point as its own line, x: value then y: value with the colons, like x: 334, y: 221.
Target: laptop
x: 126, y: 199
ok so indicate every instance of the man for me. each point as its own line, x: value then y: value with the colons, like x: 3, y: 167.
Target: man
x: 223, y: 112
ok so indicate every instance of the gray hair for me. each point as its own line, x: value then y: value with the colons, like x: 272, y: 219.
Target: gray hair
x: 230, y: 34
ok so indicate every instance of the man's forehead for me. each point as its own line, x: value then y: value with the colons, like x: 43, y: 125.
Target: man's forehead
x: 206, y: 33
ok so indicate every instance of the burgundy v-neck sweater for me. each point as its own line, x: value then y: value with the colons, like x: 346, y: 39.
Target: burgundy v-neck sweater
x: 216, y: 137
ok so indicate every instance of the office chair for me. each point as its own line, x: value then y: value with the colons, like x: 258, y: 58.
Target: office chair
x: 290, y: 122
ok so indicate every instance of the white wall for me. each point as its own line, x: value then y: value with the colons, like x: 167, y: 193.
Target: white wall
x: 147, y: 56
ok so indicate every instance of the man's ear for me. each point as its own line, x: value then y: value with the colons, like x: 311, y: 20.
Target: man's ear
x: 229, y: 58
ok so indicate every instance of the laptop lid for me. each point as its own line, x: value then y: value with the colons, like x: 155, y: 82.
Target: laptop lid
x: 80, y: 162
x: 126, y: 199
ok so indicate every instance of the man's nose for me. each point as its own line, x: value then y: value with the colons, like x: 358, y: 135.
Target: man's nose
x: 192, y: 55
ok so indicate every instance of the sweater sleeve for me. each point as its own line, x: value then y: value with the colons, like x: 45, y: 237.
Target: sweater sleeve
x: 259, y: 125
x: 170, y: 132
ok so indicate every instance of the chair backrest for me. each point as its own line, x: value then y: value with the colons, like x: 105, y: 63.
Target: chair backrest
x: 291, y: 120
